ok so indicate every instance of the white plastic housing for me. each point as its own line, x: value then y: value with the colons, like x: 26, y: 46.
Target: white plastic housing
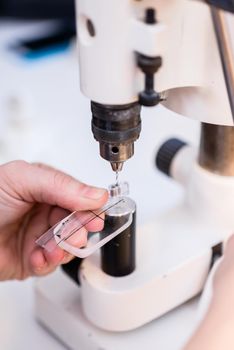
x: 184, y: 37
x: 173, y: 260
x: 173, y: 256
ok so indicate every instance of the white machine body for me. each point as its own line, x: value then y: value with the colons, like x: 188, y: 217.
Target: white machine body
x: 174, y: 251
x: 173, y: 257
x: 191, y: 74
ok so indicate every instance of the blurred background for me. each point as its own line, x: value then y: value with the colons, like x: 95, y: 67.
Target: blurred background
x: 45, y: 118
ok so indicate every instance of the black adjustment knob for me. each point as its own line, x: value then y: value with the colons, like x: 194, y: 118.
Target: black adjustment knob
x: 166, y: 153
x: 150, y: 16
x: 72, y: 269
x: 149, y: 66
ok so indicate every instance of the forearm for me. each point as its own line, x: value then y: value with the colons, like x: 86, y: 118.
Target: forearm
x: 216, y: 330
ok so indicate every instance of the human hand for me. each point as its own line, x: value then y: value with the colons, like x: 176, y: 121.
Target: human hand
x: 33, y: 197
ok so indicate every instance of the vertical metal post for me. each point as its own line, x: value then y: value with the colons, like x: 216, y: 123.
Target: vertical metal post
x: 225, y: 51
x: 217, y: 142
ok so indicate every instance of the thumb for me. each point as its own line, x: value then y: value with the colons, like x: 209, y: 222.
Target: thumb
x: 37, y: 183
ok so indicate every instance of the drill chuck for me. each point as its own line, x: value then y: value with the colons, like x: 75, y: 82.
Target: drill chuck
x: 116, y: 128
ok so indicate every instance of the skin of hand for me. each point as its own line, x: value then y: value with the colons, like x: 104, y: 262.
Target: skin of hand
x: 216, y: 330
x: 34, y: 197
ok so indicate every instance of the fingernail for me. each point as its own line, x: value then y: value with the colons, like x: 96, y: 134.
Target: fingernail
x: 94, y: 193
x: 40, y: 268
x: 67, y: 258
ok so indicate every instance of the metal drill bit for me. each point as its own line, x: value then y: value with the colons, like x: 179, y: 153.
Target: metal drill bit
x: 117, y: 166
x: 116, y: 178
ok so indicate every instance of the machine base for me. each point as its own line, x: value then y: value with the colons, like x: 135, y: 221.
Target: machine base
x: 59, y: 304
x: 58, y: 308
x: 174, y: 255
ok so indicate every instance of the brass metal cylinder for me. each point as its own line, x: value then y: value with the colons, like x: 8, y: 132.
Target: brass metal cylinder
x: 217, y: 149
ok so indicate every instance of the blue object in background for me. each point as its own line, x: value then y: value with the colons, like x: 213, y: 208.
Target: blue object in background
x: 46, y: 52
x: 56, y: 42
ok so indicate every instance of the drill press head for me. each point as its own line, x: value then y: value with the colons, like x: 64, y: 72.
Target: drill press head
x: 116, y: 128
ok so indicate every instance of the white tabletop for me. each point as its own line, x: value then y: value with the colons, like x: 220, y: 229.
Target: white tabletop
x: 52, y: 124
